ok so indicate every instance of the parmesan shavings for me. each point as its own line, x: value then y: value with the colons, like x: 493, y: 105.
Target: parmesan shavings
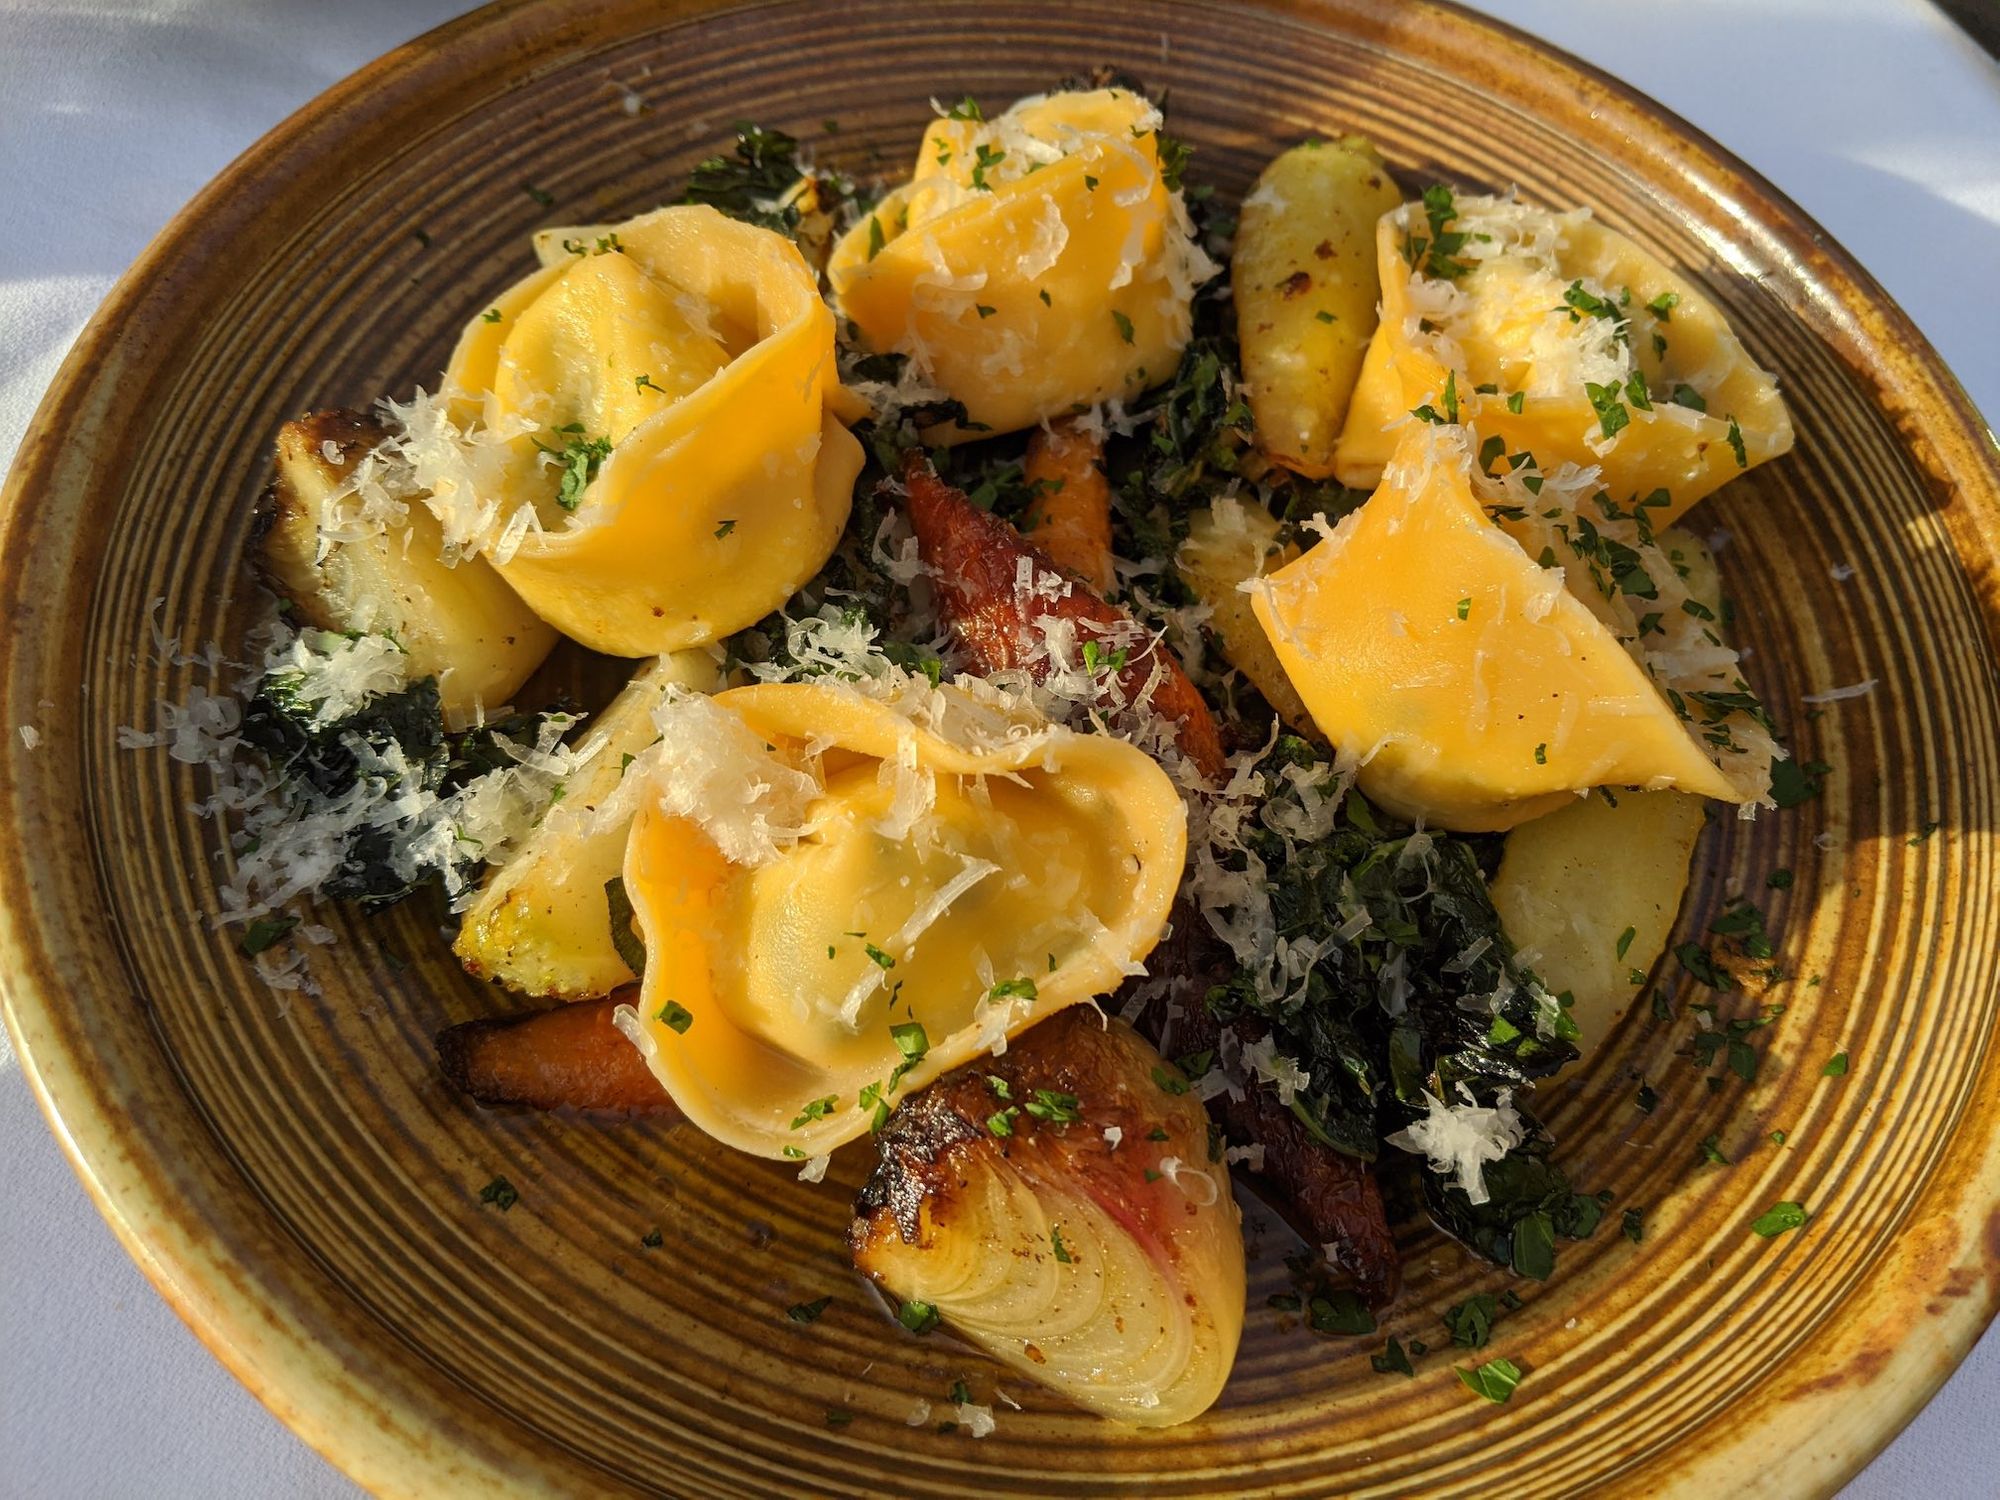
x: 1461, y: 1139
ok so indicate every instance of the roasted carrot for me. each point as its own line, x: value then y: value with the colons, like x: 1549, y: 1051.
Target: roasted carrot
x: 995, y: 588
x: 1070, y: 517
x: 571, y: 1057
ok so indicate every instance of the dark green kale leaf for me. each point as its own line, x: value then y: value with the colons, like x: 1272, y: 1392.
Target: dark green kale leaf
x: 1425, y: 997
x: 323, y: 762
x: 747, y: 183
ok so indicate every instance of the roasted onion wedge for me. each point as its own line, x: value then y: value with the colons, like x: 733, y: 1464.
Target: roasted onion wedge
x: 1060, y: 1206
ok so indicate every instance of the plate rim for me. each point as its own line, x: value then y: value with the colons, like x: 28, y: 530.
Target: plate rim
x: 266, y: 1342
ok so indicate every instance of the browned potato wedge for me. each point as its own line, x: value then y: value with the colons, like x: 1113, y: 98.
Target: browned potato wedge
x: 462, y: 625
x: 1226, y: 544
x: 541, y: 924
x: 1306, y: 289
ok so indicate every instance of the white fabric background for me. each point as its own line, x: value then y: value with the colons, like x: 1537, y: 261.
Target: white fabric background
x: 1875, y: 115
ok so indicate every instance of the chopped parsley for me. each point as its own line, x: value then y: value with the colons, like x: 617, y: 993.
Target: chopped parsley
x: 1054, y: 1108
x: 724, y: 529
x: 1096, y: 659
x: 1836, y: 1066
x: 1124, y: 325
x: 1339, y: 1311
x: 1612, y: 417
x: 911, y: 1039
x: 1449, y: 400
x: 1495, y: 1380
x: 1471, y: 1321
x: 808, y: 1312
x: 1393, y: 1360
x: 918, y: 1317
x: 1632, y: 1222
x: 986, y: 159
x: 1435, y: 253
x: 1712, y: 1152
x: 579, y: 460
x: 817, y: 1109
x: 1794, y: 782
x: 878, y: 957
x: 1168, y: 1083
x: 1516, y: 401
x: 264, y: 932
x: 1686, y: 395
x: 1625, y: 940
x: 652, y: 1239
x: 500, y: 1193
x: 1702, y: 967
x: 875, y: 240
x: 1735, y: 436
x: 1056, y: 1242
x: 676, y: 1017
x: 1778, y: 1218
x: 1662, y: 306
x: 491, y: 315
x: 542, y: 199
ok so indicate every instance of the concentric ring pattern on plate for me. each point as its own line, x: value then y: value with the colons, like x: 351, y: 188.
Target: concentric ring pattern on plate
x: 304, y: 1190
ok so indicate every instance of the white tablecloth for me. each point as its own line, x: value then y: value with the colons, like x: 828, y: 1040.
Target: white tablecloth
x: 1875, y: 115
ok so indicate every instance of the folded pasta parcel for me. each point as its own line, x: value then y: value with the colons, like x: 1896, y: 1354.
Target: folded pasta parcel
x: 1035, y: 264
x: 659, y: 408
x: 842, y: 896
x: 1556, y: 336
x: 1471, y: 684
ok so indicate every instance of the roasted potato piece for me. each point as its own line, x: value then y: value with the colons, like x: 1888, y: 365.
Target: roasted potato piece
x: 976, y: 559
x: 572, y: 1057
x: 1306, y: 285
x: 462, y: 624
x: 541, y: 925
x: 1226, y: 544
x: 1070, y: 519
x: 1060, y: 1208
x: 1589, y: 894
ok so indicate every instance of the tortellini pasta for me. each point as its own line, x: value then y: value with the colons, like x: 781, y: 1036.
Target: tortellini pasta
x: 1467, y: 680
x: 1034, y: 265
x: 840, y: 900
x: 1561, y: 338
x: 667, y: 389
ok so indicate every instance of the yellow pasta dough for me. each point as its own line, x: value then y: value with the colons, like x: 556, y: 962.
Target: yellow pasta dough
x: 1467, y: 681
x: 841, y: 900
x: 666, y: 391
x: 1034, y: 265
x: 1563, y: 339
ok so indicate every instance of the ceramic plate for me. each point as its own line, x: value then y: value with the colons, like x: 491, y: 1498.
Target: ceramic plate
x: 298, y: 1183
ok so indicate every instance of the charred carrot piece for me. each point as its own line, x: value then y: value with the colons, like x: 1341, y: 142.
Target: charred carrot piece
x: 995, y: 590
x: 1070, y: 516
x: 571, y: 1057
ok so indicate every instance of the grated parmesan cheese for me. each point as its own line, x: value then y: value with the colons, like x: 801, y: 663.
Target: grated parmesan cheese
x: 1461, y: 1139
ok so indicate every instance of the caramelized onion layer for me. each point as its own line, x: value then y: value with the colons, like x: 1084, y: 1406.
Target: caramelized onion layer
x: 1061, y: 1206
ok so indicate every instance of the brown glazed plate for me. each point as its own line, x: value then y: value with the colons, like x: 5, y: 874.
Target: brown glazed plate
x: 300, y: 1186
